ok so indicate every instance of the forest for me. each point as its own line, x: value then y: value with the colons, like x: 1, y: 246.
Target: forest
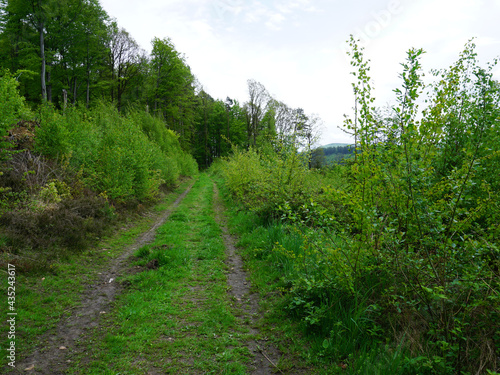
x: 73, y: 53
x: 87, y: 113
x: 388, y: 261
x: 333, y: 154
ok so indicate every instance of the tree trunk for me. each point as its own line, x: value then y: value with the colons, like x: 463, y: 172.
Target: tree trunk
x: 75, y: 91
x: 49, y: 85
x: 88, y: 89
x: 206, y: 136
x: 42, y: 56
x: 87, y: 69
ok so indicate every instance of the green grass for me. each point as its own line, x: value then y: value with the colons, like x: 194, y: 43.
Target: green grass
x: 265, y: 268
x: 178, y: 318
x: 44, y: 298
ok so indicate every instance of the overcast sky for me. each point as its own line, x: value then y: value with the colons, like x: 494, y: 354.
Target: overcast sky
x: 296, y: 48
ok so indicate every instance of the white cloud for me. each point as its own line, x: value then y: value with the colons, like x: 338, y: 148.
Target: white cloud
x: 255, y: 12
x: 275, y: 21
x: 285, y: 6
x: 295, y: 47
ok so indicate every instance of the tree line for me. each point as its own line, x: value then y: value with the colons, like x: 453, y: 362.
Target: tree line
x: 343, y: 150
x: 71, y: 52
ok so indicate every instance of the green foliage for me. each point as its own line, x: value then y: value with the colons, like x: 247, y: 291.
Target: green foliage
x: 60, y: 194
x: 12, y: 104
x: 404, y: 248
x: 419, y: 209
x: 220, y: 126
x: 171, y: 95
x: 128, y: 165
x: 52, y: 137
x: 269, y: 183
x: 167, y: 140
x: 54, y: 192
x: 12, y: 107
x: 74, y: 35
x: 337, y: 154
x: 125, y: 157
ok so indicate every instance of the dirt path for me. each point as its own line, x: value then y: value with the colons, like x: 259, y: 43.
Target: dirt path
x: 266, y: 356
x: 51, y: 357
x: 62, y: 345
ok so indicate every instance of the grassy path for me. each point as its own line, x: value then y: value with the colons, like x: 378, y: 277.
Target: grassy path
x: 175, y: 315
x: 49, y: 357
x: 170, y: 296
x: 56, y: 308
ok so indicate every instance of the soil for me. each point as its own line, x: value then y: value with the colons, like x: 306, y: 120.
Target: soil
x: 266, y: 355
x: 52, y: 356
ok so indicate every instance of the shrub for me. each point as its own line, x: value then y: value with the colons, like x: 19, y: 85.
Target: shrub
x: 157, y: 132
x: 12, y: 105
x: 405, y: 250
x: 52, y: 136
x: 419, y: 206
x: 129, y: 158
x: 270, y: 184
x: 71, y: 224
x: 11, y: 108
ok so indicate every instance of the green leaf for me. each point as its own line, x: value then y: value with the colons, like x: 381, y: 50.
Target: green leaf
x: 326, y: 344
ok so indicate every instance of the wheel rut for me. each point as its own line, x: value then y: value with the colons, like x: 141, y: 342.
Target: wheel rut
x: 52, y: 357
x: 266, y: 356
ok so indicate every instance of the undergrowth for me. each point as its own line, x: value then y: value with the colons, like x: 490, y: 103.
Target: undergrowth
x: 390, y: 262
x: 67, y: 176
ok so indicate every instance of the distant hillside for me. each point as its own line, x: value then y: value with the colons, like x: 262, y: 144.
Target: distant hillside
x: 336, y: 152
x: 334, y: 145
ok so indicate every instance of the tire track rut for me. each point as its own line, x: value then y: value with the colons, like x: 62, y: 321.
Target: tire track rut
x: 58, y: 346
x: 266, y: 356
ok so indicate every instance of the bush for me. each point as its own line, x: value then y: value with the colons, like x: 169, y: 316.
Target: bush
x: 11, y: 108
x: 12, y: 105
x: 52, y: 136
x: 407, y: 247
x: 128, y: 158
x: 270, y: 184
x: 71, y: 224
x: 167, y: 140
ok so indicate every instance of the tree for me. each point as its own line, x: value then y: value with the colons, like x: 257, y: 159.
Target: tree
x: 203, y: 154
x: 318, y: 158
x: 293, y: 127
x: 256, y: 108
x: 236, y: 126
x: 124, y: 61
x: 3, y: 15
x: 172, y: 88
x: 90, y: 46
x: 283, y: 120
x: 48, y: 36
x: 310, y: 131
x: 79, y: 52
x: 45, y: 16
